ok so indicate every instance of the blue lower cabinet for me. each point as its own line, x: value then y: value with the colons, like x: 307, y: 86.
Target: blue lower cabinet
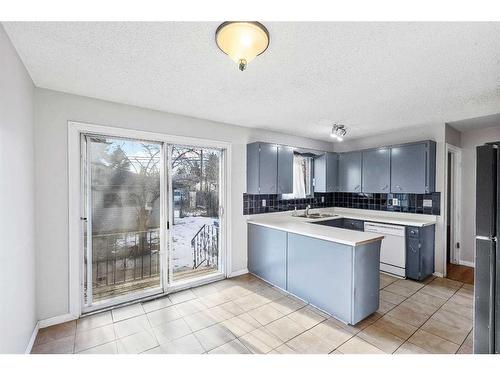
x: 339, y: 279
x: 420, y: 252
x: 366, y: 280
x: 320, y: 272
x: 267, y: 254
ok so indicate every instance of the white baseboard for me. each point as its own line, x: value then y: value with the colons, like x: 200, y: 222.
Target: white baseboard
x: 32, y: 338
x: 56, y: 320
x: 67, y: 317
x: 466, y: 263
x: 438, y: 274
x: 238, y: 273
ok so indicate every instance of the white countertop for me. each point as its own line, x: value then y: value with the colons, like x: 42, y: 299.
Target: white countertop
x: 304, y: 226
x: 396, y: 218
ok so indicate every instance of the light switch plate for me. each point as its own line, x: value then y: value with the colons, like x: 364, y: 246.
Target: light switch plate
x: 264, y: 203
x: 427, y: 202
x: 395, y: 201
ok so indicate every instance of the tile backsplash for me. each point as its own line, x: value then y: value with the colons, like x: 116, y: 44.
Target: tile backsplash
x: 394, y: 202
x: 254, y: 203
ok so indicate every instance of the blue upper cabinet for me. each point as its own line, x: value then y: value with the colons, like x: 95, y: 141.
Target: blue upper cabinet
x: 325, y: 173
x: 376, y: 170
x: 349, y: 172
x: 253, y: 168
x: 406, y: 168
x: 269, y: 168
x: 285, y: 169
x: 413, y: 168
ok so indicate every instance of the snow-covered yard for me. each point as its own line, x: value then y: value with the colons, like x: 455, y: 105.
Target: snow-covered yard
x: 183, y: 230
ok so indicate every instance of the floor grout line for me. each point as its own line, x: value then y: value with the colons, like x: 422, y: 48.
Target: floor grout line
x: 260, y: 288
x: 420, y: 327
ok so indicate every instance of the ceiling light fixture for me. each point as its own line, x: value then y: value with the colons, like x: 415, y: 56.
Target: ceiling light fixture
x: 338, y: 132
x: 242, y: 41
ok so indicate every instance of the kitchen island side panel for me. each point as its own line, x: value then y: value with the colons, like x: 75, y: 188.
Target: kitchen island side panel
x: 320, y: 272
x: 267, y: 254
x: 366, y: 280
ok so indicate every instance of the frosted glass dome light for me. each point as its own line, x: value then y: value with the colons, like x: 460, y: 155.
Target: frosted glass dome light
x: 242, y: 41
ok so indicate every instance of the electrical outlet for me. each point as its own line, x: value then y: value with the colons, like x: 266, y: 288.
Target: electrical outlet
x: 427, y: 202
x: 322, y: 199
x: 395, y: 201
x: 263, y: 203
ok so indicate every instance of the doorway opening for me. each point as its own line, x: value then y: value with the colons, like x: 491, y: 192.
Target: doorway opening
x: 454, y: 269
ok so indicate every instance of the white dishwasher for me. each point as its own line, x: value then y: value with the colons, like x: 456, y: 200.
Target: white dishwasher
x: 393, y: 248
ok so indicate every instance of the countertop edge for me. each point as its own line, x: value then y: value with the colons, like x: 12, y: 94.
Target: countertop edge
x: 319, y: 237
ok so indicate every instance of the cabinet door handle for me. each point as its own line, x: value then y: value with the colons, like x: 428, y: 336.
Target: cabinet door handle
x: 357, y: 187
x: 385, y: 187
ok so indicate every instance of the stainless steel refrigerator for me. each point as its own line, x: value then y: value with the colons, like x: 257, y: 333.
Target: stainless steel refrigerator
x: 487, y: 257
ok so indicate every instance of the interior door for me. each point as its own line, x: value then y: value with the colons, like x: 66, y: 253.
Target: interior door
x: 196, y: 195
x: 123, y: 184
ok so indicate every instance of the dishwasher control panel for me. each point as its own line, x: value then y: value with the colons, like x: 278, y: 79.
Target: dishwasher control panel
x: 394, y: 230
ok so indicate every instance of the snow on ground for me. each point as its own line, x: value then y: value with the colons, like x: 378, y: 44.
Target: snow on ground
x: 183, y: 230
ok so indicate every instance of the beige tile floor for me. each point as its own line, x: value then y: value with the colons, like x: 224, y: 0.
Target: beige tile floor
x: 246, y: 315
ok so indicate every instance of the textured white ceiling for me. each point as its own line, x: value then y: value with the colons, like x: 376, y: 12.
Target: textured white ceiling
x: 482, y: 122
x: 373, y: 77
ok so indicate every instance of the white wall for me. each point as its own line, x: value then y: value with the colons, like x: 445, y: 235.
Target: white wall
x: 453, y: 136
x: 52, y: 112
x: 470, y: 140
x: 434, y: 132
x: 17, y: 249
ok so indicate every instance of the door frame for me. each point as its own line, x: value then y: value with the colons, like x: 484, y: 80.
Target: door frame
x: 456, y: 203
x: 75, y: 243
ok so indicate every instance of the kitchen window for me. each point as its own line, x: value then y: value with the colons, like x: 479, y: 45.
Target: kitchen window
x: 302, y: 177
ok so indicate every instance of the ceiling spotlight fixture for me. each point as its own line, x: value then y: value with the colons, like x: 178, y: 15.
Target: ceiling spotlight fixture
x: 242, y: 41
x: 338, y: 132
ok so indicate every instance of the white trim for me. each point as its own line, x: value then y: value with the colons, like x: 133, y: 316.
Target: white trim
x: 29, y: 347
x: 457, y: 204
x: 146, y: 135
x: 466, y: 263
x: 227, y: 210
x: 56, y: 320
x: 193, y: 283
x: 75, y: 247
x: 123, y: 299
x: 238, y: 273
x: 438, y: 274
x: 74, y: 204
x: 167, y: 243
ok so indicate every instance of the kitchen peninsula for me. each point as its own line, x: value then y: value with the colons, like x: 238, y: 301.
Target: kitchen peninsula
x: 334, y: 269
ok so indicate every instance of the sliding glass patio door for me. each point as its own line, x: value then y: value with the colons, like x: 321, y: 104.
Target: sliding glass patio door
x: 152, y: 216
x: 123, y: 206
x: 196, y: 208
